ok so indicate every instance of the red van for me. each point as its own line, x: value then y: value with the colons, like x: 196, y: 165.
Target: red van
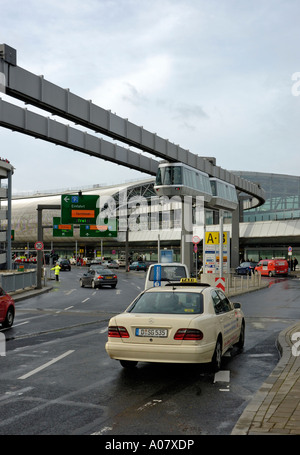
x: 272, y: 267
x: 7, y: 309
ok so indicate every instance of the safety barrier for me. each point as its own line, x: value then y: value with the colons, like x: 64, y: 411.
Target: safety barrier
x: 243, y: 283
x: 233, y: 283
x: 14, y: 281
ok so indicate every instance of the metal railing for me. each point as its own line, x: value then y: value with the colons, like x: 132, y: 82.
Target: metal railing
x: 242, y: 283
x: 15, y: 281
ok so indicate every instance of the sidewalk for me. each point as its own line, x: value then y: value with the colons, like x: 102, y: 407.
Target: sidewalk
x: 275, y: 408
x: 26, y: 293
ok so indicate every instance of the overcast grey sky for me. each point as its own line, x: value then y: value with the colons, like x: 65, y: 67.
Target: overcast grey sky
x: 214, y: 76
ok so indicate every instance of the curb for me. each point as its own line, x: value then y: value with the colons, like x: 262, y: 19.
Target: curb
x: 27, y: 294
x: 250, y: 416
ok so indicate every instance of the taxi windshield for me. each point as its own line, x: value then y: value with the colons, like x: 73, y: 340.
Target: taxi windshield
x: 168, y: 303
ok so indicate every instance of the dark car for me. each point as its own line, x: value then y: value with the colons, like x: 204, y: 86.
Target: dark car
x: 138, y: 266
x: 7, y: 309
x: 98, y: 278
x: 64, y: 264
x: 246, y: 268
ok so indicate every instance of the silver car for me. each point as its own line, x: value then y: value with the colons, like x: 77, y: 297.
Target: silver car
x: 96, y: 278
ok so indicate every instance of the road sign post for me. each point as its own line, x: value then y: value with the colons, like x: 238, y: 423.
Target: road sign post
x: 157, y: 275
x: 196, y: 239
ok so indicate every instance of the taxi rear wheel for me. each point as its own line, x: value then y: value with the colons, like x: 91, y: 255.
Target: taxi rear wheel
x: 217, y: 357
x: 240, y: 343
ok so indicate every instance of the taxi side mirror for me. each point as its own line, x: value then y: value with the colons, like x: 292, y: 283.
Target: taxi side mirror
x: 237, y: 305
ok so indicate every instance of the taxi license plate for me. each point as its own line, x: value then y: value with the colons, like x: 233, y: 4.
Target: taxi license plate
x: 146, y: 332
x: 108, y: 277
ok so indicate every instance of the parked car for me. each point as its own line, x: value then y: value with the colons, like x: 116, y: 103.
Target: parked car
x: 96, y: 261
x: 246, y: 268
x: 272, y: 267
x: 177, y: 323
x: 112, y: 264
x: 122, y: 261
x: 96, y: 278
x: 138, y: 266
x: 64, y: 264
x: 7, y: 309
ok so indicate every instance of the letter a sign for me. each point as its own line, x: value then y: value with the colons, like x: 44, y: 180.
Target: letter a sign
x: 213, y: 238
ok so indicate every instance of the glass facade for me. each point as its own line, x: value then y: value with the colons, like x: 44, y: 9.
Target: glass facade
x: 282, y: 196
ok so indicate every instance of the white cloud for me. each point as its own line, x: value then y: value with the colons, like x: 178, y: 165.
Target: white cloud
x: 214, y: 77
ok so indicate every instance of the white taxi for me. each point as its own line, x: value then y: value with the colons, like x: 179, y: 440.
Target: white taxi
x: 183, y: 322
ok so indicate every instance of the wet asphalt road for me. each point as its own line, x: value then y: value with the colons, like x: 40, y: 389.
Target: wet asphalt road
x: 57, y: 379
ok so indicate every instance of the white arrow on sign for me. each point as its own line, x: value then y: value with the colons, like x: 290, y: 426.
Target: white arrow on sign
x: 66, y: 199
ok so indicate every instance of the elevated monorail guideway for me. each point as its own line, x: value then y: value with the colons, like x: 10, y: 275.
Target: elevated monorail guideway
x: 32, y: 124
x: 39, y: 92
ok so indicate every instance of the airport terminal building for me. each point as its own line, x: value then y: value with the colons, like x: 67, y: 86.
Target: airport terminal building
x: 264, y: 232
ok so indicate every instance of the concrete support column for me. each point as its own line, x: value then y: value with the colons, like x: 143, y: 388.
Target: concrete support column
x: 187, y: 233
x: 235, y: 238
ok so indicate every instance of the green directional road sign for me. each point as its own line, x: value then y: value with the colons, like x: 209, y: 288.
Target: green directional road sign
x: 61, y: 230
x: 107, y: 228
x: 78, y: 209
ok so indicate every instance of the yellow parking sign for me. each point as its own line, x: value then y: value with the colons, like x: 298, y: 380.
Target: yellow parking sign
x: 213, y: 238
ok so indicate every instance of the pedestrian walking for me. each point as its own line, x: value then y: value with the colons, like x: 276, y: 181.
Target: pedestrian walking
x: 295, y: 263
x: 56, y: 269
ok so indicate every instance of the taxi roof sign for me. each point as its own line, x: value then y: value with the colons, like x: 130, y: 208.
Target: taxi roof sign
x: 188, y: 280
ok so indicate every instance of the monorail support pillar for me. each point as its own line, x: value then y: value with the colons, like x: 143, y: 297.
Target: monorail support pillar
x: 187, y: 233
x: 235, y: 238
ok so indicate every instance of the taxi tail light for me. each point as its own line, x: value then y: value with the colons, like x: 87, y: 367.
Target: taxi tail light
x: 115, y: 331
x: 188, y: 334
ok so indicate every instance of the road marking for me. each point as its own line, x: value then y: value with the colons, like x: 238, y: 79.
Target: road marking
x: 21, y: 323
x: 149, y: 404
x: 70, y: 292
x: 85, y: 300
x: 260, y: 355
x: 118, y: 291
x: 15, y: 393
x: 104, y: 430
x: 222, y: 376
x: 42, y: 367
x: 104, y: 330
x: 69, y: 307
